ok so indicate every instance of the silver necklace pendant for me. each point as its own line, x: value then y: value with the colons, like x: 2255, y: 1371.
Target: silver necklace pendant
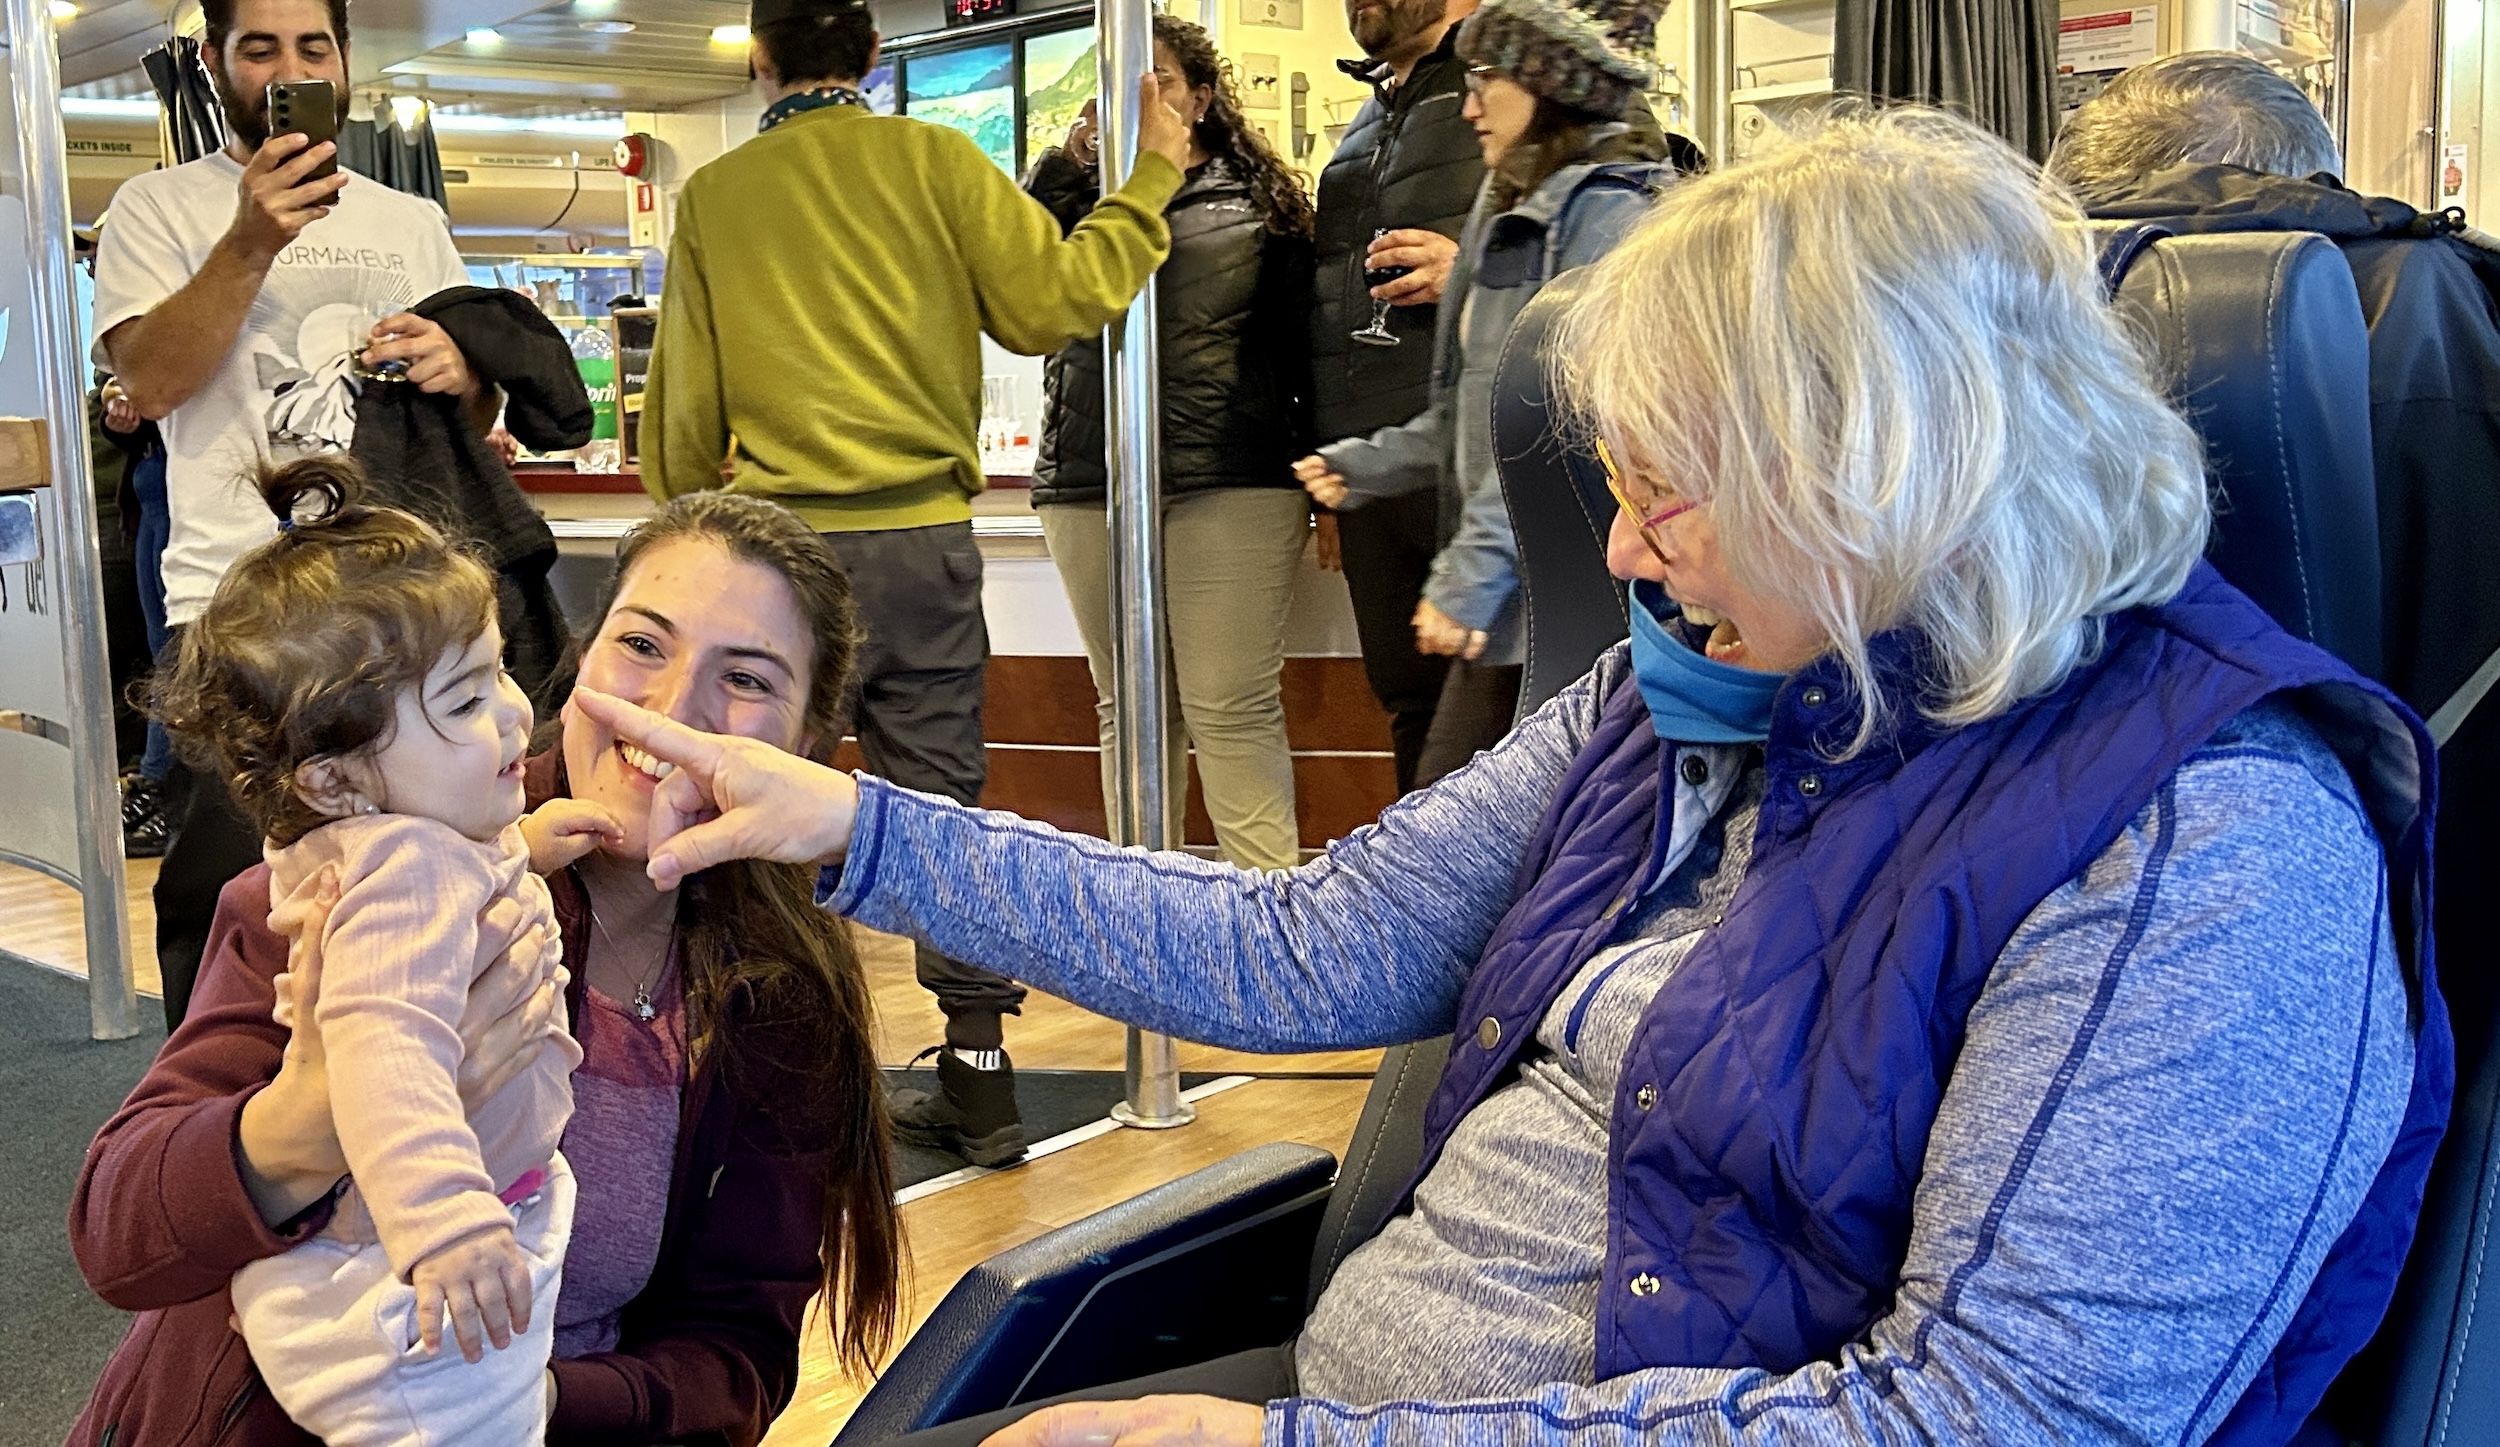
x: 644, y: 1010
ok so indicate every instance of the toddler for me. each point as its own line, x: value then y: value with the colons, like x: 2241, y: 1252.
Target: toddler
x: 347, y: 678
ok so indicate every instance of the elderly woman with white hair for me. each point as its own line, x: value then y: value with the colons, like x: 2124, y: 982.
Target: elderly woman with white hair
x: 1949, y: 978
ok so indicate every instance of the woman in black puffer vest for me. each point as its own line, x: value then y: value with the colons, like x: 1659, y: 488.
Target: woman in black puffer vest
x: 1234, y: 303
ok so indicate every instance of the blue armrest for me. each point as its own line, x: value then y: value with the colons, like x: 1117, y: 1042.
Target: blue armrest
x: 1210, y: 1264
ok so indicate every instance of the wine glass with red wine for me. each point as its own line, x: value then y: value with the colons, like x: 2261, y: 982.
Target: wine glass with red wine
x: 1378, y: 333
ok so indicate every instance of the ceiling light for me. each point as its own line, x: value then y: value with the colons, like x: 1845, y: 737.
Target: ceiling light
x: 731, y: 35
x: 484, y: 35
x: 89, y: 109
x: 407, y: 111
x: 608, y: 27
x: 64, y: 11
x: 586, y: 129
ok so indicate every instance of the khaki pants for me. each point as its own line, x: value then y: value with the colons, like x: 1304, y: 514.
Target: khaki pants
x: 1230, y: 556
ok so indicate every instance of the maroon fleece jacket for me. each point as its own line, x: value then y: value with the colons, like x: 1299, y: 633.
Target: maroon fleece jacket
x: 160, y: 1223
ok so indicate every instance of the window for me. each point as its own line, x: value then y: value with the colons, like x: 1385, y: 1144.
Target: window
x: 1059, y: 78
x: 878, y: 87
x: 1014, y: 95
x: 971, y: 89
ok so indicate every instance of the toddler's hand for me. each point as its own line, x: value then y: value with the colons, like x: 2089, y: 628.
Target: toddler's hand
x: 563, y: 830
x: 481, y: 1282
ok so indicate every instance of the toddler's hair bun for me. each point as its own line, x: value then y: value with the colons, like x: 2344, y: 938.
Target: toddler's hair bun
x: 313, y: 490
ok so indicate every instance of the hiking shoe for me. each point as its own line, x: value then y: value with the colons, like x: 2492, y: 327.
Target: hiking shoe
x: 147, y: 818
x: 973, y: 1114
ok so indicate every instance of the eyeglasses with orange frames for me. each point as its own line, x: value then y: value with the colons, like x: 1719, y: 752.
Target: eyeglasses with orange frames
x: 1647, y: 527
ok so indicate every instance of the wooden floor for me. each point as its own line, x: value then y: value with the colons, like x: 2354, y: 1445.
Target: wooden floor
x: 955, y: 1229
x: 40, y: 919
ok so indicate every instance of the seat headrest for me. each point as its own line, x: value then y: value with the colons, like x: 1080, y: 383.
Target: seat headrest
x: 1559, y: 511
x: 2259, y: 338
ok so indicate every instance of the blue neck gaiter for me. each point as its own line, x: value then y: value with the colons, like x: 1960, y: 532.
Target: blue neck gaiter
x: 1692, y: 698
x: 801, y: 102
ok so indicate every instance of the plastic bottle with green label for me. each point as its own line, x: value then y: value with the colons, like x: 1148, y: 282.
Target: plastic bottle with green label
x: 594, y: 354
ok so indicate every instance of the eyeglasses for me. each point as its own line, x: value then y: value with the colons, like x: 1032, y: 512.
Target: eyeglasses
x: 1477, y: 75
x: 1647, y: 527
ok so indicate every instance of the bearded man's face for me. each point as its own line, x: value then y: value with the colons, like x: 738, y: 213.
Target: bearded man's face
x: 1381, y: 26
x: 273, y: 40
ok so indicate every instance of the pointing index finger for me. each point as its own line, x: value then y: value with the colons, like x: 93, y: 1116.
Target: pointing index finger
x: 665, y: 737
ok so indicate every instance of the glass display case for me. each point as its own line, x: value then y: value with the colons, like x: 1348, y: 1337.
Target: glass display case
x: 569, y: 288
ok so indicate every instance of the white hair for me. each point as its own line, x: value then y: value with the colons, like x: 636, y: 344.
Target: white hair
x: 2203, y: 105
x: 1881, y: 354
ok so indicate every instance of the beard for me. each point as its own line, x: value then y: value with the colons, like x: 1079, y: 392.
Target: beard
x: 247, y: 114
x: 1380, y: 26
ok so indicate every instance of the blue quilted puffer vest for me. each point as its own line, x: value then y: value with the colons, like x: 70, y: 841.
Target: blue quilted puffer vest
x: 1754, y: 1219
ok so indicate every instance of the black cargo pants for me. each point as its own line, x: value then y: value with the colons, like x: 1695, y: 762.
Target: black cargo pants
x: 916, y: 711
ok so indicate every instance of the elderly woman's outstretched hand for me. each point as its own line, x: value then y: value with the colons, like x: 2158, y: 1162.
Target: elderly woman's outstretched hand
x: 727, y: 797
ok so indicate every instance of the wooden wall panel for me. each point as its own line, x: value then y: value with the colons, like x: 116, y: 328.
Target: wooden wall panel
x: 1334, y: 794
x: 1050, y: 700
x: 1035, y: 700
x: 1039, y: 721
x: 1329, y: 705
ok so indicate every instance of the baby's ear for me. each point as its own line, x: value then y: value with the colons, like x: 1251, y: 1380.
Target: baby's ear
x: 324, y: 783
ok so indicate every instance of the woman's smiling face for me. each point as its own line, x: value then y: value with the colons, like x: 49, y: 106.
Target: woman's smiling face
x: 709, y: 639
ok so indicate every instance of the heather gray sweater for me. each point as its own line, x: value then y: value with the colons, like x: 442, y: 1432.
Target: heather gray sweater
x: 2150, y: 1138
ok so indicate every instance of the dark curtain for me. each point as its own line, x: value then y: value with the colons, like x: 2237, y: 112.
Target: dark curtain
x: 1994, y: 61
x: 403, y: 160
x: 189, y: 122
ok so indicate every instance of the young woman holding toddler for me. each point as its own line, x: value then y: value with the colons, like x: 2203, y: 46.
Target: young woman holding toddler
x: 726, y: 1142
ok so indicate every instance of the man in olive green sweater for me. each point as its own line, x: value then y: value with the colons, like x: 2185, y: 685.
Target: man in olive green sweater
x: 828, y: 285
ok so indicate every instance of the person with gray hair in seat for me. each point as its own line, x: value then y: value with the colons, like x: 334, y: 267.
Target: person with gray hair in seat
x: 2214, y: 106
x: 2210, y: 142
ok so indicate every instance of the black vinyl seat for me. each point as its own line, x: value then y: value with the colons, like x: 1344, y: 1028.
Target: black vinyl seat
x: 1560, y: 510
x: 2263, y: 344
x: 2261, y: 337
x: 2265, y: 350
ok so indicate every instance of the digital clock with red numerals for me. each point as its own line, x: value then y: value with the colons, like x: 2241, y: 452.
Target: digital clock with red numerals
x: 967, y: 12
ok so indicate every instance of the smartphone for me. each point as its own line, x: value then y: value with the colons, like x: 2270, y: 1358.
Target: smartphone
x: 308, y: 108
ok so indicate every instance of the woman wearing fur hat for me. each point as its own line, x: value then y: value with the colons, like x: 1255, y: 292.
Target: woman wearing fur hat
x: 1571, y: 163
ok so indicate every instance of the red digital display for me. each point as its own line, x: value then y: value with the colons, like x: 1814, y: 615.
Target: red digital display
x: 967, y: 12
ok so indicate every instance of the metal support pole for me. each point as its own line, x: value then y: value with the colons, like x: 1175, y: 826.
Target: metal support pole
x: 1132, y: 428
x: 71, y: 550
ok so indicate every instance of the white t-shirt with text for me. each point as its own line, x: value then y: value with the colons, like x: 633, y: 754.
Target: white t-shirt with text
x: 287, y: 387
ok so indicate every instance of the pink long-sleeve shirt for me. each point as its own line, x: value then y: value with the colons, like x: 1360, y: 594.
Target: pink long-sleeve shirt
x: 422, y: 909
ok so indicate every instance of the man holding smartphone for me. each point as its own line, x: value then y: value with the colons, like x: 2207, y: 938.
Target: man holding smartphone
x: 236, y: 297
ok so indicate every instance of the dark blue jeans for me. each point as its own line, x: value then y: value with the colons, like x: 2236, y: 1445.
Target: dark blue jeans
x: 147, y: 479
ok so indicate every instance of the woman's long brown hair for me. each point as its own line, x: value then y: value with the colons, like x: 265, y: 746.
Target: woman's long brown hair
x: 1223, y: 131
x: 802, y: 1049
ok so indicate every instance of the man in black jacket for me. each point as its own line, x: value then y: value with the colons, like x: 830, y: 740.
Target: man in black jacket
x: 1409, y: 166
x: 2214, y: 142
